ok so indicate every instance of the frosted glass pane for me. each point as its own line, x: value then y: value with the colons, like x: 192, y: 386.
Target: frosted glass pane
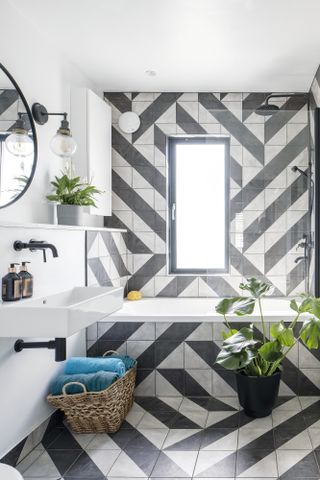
x: 200, y: 206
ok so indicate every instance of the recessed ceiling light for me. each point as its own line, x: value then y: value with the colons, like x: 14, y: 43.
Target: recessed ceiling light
x: 151, y: 73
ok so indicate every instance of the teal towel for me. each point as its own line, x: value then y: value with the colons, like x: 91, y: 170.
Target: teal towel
x: 94, y: 382
x: 128, y: 361
x: 75, y: 365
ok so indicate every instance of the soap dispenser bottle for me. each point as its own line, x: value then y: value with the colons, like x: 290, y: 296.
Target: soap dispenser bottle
x: 11, y: 285
x: 27, y: 281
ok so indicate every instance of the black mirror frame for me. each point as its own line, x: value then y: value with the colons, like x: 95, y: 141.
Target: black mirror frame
x: 34, y: 134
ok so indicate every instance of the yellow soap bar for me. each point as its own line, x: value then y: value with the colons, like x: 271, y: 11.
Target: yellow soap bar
x: 134, y: 295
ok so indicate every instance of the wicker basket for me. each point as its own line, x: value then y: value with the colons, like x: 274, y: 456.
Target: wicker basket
x: 97, y: 412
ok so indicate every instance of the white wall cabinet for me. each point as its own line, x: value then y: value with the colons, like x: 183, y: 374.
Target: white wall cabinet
x: 91, y: 125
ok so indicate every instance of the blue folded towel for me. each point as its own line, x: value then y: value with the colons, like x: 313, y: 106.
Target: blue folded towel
x: 75, y: 365
x: 94, y: 382
x: 128, y: 361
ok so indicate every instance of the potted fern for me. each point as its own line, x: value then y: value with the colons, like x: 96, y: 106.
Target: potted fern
x: 72, y: 195
x: 256, y: 359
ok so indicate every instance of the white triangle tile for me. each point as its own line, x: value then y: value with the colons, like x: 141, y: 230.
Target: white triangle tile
x: 228, y: 442
x: 270, y: 152
x: 150, y: 421
x: 250, y: 160
x: 295, y: 443
x: 27, y: 461
x: 257, y: 130
x: 192, y: 290
x: 202, y: 377
x: 101, y: 441
x: 169, y: 116
x: 139, y: 107
x: 203, y: 332
x: 161, y: 282
x: 267, y: 464
x: 234, y: 107
x: 257, y: 204
x: 236, y: 151
x: 42, y: 467
x: 185, y: 460
x: 118, y: 160
x: 147, y: 386
x: 139, y: 259
x: 220, y: 387
x: 156, y: 436
x: 118, y: 203
x: 205, y: 290
x: 192, y: 108
x: 177, y: 435
x: 123, y: 465
x: 279, y: 138
x: 147, y: 151
x: 206, y: 461
x: 193, y: 359
x: 103, y: 460
x: 147, y: 138
x: 189, y: 97
x: 257, y: 246
x: 205, y: 116
x: 216, y: 417
x: 173, y: 402
x: 174, y: 359
x: 163, y: 387
x: 127, y: 136
x: 287, y: 459
x: 167, y: 128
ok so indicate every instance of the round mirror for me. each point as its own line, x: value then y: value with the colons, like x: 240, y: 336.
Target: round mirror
x: 18, y: 141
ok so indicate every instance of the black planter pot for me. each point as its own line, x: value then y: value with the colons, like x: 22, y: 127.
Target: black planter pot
x: 257, y: 395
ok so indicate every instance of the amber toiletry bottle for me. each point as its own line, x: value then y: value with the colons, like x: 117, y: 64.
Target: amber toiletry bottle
x: 11, y: 285
x: 27, y: 281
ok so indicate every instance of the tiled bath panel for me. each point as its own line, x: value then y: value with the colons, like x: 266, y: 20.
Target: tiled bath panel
x: 188, y: 438
x: 179, y: 358
x: 268, y: 205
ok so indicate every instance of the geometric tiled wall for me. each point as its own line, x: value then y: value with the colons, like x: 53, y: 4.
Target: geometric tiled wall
x: 272, y: 200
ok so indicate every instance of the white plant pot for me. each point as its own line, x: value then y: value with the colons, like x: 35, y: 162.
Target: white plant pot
x: 70, y: 215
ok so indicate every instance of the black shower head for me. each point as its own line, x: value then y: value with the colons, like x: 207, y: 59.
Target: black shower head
x: 297, y: 169
x: 267, y: 109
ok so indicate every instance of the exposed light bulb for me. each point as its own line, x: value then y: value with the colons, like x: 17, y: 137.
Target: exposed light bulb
x: 19, y: 143
x: 62, y: 143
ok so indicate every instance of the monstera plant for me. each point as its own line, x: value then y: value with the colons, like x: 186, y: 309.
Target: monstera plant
x: 254, y: 357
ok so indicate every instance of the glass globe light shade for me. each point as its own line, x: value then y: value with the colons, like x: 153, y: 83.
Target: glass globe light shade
x: 19, y: 144
x: 63, y: 145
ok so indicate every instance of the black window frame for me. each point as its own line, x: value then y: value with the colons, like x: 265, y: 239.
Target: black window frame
x: 172, y: 142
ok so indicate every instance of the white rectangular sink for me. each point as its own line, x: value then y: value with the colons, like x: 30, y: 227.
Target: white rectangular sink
x: 60, y: 315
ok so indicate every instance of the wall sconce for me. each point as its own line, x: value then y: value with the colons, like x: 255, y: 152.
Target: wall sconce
x: 62, y: 144
x: 19, y: 143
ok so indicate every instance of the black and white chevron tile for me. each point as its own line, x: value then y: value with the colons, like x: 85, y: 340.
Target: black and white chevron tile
x: 179, y: 358
x: 269, y: 203
x: 190, y: 438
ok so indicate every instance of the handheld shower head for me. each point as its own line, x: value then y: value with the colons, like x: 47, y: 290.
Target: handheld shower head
x: 297, y: 169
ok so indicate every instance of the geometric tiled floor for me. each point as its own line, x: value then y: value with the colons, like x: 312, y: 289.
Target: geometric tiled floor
x: 176, y: 437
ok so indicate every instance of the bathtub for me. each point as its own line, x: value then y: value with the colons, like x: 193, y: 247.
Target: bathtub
x: 195, y: 310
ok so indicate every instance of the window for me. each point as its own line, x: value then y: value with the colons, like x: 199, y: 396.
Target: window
x: 198, y: 187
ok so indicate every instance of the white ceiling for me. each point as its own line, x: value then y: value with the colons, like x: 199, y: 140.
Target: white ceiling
x: 193, y: 45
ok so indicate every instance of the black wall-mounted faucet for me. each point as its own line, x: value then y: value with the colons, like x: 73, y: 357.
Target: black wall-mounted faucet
x: 34, y: 245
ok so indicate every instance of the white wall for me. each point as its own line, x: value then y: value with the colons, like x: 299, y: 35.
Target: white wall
x: 25, y: 376
x: 45, y: 76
